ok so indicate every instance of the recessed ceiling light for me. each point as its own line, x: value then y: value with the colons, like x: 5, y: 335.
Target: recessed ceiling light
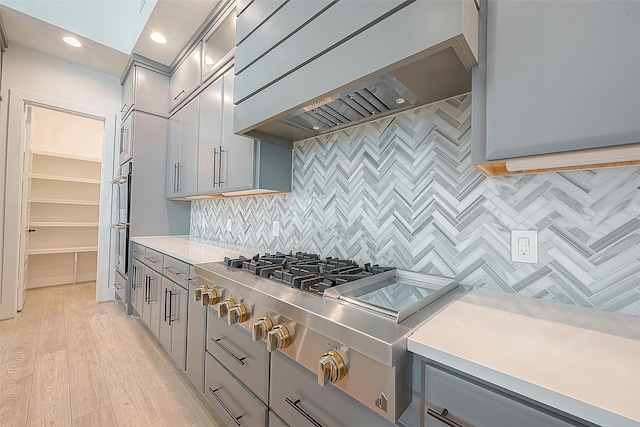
x: 208, y: 60
x: 400, y: 100
x: 72, y: 41
x: 158, y: 38
x: 316, y: 128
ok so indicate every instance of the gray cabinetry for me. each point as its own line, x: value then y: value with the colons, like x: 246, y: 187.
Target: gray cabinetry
x: 218, y: 45
x: 233, y: 347
x: 125, y: 148
x: 225, y: 160
x: 196, y: 336
x: 574, y: 86
x: 450, y: 398
x: 152, y: 298
x: 231, y: 400
x: 120, y: 286
x: 297, y: 398
x: 186, y: 78
x: 173, y: 321
x: 182, y: 159
x: 275, y: 421
x: 137, y: 286
x: 145, y: 90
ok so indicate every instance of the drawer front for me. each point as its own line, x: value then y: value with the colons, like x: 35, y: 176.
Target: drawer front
x: 297, y: 398
x: 120, y: 286
x: 176, y: 270
x: 234, y: 348
x: 153, y: 259
x: 471, y: 404
x: 138, y: 251
x: 235, y: 405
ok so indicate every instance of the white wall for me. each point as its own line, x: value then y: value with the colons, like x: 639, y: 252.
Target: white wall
x: 66, y: 83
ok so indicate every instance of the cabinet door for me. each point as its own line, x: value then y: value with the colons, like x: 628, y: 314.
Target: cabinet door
x: 577, y: 67
x: 150, y: 299
x: 127, y: 92
x: 237, y: 157
x: 188, y: 164
x: 151, y: 92
x: 178, y: 319
x: 126, y: 140
x: 209, y: 138
x: 173, y: 155
x: 165, y: 327
x: 185, y: 78
x: 138, y: 284
x: 196, y: 335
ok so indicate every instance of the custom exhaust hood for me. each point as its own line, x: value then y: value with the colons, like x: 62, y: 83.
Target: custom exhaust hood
x: 428, y: 58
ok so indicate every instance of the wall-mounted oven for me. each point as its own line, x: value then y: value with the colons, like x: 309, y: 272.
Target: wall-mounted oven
x: 120, y: 217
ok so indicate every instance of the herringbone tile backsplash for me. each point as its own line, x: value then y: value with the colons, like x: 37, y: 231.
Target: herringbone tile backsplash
x: 402, y: 191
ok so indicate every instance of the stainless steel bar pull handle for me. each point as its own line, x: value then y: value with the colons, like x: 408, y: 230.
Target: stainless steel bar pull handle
x: 178, y: 95
x: 147, y: 288
x: 175, y: 178
x: 179, y: 166
x: 220, y: 182
x: 442, y: 417
x: 171, y: 295
x: 165, y: 303
x: 225, y: 407
x: 240, y: 360
x: 215, y: 154
x: 133, y: 280
x: 302, y: 411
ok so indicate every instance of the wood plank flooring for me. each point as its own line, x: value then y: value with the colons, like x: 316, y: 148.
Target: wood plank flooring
x: 66, y: 360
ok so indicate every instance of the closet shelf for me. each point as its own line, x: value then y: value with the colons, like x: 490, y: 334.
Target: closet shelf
x: 63, y: 224
x: 66, y: 201
x: 65, y: 156
x: 64, y: 178
x: 70, y: 250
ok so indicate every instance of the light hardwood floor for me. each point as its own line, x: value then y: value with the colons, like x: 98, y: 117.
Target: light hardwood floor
x: 69, y: 361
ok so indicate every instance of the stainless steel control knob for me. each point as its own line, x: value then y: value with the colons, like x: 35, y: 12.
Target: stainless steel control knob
x: 261, y: 328
x: 332, y: 367
x: 224, y: 307
x: 279, y: 338
x: 239, y: 313
x: 211, y: 296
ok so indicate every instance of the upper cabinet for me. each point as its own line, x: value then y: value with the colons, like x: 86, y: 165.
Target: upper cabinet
x: 218, y: 46
x: 182, y: 151
x: 555, y: 77
x: 186, y: 78
x: 305, y: 68
x: 145, y: 90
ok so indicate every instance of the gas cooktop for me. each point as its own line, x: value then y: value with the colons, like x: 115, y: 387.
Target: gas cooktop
x: 305, y: 271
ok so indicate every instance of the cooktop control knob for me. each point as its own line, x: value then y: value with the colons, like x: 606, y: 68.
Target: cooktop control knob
x: 239, y: 313
x: 278, y: 338
x: 261, y: 328
x: 197, y: 293
x: 211, y: 296
x: 224, y: 307
x: 332, y: 367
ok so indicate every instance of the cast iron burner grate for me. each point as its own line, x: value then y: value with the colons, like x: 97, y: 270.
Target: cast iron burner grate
x: 305, y: 271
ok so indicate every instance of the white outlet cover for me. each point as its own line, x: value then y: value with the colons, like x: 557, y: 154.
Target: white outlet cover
x: 229, y: 225
x: 276, y: 229
x: 524, y: 246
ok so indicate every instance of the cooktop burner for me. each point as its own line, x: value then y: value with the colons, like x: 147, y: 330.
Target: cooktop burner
x: 305, y: 271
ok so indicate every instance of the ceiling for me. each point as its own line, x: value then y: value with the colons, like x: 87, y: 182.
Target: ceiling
x: 177, y: 20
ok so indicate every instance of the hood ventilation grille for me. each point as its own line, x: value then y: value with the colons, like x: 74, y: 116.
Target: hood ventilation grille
x: 376, y: 97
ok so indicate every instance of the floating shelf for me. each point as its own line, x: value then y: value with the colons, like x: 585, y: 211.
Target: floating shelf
x: 65, y: 201
x: 63, y: 224
x: 49, y: 251
x: 64, y: 178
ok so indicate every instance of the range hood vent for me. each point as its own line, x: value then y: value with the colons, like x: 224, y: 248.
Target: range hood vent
x: 377, y: 97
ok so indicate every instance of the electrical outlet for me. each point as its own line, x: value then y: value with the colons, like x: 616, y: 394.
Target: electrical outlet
x: 229, y: 225
x: 524, y: 246
x: 276, y: 229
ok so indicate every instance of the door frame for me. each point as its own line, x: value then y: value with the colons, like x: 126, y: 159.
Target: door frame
x: 17, y: 101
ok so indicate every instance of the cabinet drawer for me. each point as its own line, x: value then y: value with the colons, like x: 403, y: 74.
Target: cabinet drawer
x: 120, y: 285
x: 296, y: 397
x: 138, y: 251
x: 230, y: 399
x: 234, y: 348
x: 469, y: 404
x: 176, y: 270
x: 153, y: 259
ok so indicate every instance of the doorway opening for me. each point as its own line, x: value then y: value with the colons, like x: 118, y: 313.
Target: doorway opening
x: 62, y: 166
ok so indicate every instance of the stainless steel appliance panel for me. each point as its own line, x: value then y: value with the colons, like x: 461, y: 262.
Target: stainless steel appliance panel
x: 121, y: 239
x: 234, y: 404
x: 234, y: 348
x: 298, y: 399
x: 120, y: 285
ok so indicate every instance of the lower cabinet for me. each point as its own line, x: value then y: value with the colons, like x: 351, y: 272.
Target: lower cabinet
x: 151, y: 309
x: 235, y: 405
x: 298, y: 399
x: 138, y: 286
x: 196, y: 336
x: 173, y: 321
x: 120, y: 286
x: 275, y: 421
x: 452, y: 400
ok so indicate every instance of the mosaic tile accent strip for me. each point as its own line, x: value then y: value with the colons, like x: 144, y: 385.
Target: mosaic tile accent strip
x: 402, y: 191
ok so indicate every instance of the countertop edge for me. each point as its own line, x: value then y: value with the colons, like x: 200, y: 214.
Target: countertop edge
x: 524, y: 388
x: 151, y: 242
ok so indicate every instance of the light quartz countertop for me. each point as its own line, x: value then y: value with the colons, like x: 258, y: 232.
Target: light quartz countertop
x: 582, y: 361
x: 195, y: 250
